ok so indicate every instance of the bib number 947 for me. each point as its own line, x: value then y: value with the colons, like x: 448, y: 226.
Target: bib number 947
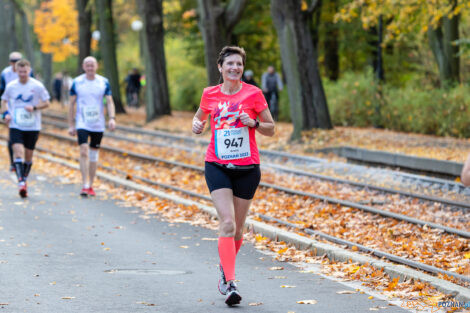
x: 231, y: 144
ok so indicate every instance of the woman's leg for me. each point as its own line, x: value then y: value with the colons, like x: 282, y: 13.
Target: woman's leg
x: 223, y: 202
x: 241, y: 210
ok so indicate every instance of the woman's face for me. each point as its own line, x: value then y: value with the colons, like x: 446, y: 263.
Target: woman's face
x: 232, y: 68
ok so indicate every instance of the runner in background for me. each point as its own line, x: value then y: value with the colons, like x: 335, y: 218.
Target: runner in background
x: 8, y: 75
x: 88, y: 91
x: 22, y: 102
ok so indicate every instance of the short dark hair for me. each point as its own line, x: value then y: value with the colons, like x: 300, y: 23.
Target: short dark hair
x: 22, y: 63
x: 228, y: 51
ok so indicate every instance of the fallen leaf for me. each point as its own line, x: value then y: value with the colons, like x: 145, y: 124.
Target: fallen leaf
x: 184, y: 247
x: 276, y: 268
x: 255, y: 303
x: 346, y: 292
x: 371, y: 297
x: 68, y: 298
x: 287, y: 286
x: 307, y: 302
x: 209, y: 239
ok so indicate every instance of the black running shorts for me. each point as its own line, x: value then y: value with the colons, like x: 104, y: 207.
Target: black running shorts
x: 95, y: 137
x: 243, y: 182
x: 28, y: 138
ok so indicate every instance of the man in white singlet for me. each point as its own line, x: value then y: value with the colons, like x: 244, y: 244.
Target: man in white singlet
x: 21, y: 104
x: 88, y: 91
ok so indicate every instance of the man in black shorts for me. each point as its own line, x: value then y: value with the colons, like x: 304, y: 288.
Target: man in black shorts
x: 21, y: 104
x: 88, y: 91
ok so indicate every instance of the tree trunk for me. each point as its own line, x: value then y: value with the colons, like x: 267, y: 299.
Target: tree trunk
x: 4, y: 35
x: 84, y: 30
x: 46, y: 59
x: 25, y: 31
x: 331, y: 41
x: 306, y: 95
x: 216, y: 24
x: 12, y: 27
x: 108, y: 50
x: 446, y: 54
x: 158, y: 101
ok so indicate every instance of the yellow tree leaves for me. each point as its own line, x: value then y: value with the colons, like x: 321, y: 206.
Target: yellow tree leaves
x: 404, y: 16
x: 56, y: 26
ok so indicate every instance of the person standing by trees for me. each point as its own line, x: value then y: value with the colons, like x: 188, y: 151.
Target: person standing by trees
x: 133, y: 88
x: 248, y: 78
x: 232, y: 168
x: 271, y: 84
x: 88, y: 91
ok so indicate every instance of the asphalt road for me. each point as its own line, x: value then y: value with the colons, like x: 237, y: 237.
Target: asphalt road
x: 62, y: 253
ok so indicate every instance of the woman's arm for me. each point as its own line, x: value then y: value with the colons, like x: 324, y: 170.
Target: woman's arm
x: 266, y: 124
x: 199, y: 121
x: 465, y: 176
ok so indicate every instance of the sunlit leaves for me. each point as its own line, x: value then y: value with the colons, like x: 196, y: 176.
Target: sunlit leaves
x: 56, y: 26
x: 404, y: 16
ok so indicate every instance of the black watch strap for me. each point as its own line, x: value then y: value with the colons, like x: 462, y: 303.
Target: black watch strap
x: 257, y: 124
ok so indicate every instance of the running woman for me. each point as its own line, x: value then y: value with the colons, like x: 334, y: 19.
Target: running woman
x: 88, y: 91
x: 21, y: 104
x: 232, y: 160
x: 8, y: 75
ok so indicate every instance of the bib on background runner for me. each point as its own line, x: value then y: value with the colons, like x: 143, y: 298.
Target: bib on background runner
x: 91, y: 114
x: 233, y: 143
x: 24, y: 118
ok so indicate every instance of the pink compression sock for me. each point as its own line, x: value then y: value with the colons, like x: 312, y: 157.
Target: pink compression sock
x: 238, y: 245
x: 227, y: 256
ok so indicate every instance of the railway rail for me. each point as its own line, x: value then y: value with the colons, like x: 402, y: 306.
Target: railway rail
x: 270, y: 219
x: 414, y: 179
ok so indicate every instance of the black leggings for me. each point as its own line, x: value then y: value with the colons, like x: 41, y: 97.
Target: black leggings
x: 243, y: 182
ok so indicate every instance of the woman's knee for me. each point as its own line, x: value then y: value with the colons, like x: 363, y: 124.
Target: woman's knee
x: 227, y: 228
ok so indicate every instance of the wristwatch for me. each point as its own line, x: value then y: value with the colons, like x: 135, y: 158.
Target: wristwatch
x: 256, y: 124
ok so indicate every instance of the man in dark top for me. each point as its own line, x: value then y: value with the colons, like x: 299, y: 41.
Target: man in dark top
x: 133, y: 88
x: 271, y: 84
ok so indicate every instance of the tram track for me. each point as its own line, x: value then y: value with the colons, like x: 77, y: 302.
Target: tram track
x: 326, y: 199
x: 286, y: 169
x: 423, y: 225
x: 291, y: 226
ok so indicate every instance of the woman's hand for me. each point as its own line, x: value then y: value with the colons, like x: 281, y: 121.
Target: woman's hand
x: 198, y: 126
x: 247, y: 120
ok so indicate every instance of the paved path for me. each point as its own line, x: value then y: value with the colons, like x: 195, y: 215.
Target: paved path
x: 62, y: 253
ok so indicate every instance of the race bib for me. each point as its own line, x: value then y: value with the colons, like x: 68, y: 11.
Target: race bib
x: 91, y: 114
x: 24, y: 118
x: 231, y: 144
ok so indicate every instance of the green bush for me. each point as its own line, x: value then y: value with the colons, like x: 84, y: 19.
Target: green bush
x: 354, y: 101
x: 186, y: 80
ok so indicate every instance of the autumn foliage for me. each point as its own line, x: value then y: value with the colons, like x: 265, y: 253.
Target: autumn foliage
x: 56, y: 26
x: 405, y: 16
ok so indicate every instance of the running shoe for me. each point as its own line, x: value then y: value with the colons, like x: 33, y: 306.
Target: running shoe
x: 91, y: 192
x: 233, y: 296
x: 222, y: 282
x: 84, y: 192
x: 23, y: 190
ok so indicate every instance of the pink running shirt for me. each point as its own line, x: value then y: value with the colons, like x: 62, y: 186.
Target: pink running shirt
x: 224, y: 113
